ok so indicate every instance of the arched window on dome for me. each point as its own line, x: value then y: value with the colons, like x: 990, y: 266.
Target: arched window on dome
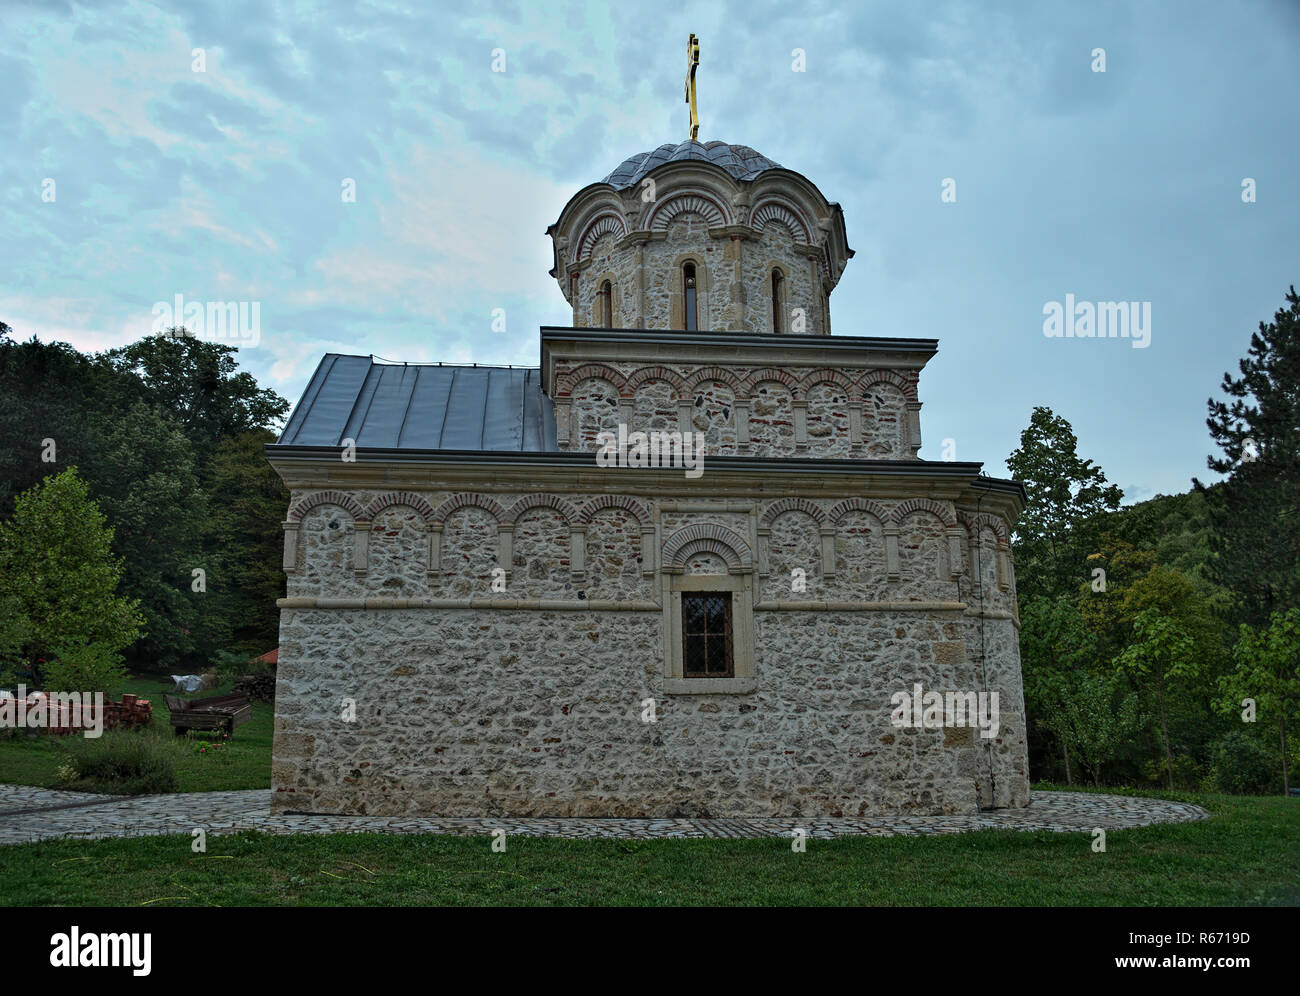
x: 689, y: 298
x: 605, y: 306
x: 777, y: 288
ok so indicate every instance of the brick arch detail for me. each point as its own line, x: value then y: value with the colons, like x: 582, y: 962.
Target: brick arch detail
x: 728, y: 377
x: 638, y: 377
x: 836, y: 377
x: 467, y: 500
x: 339, y: 498
x: 639, y: 511
x: 407, y: 498
x: 603, y: 224
x: 942, y: 511
x: 782, y: 377
x: 974, y: 523
x: 771, y: 209
x: 713, y: 211
x: 706, y: 536
x: 904, y: 384
x: 792, y: 505
x: 542, y: 500
x: 886, y: 516
x: 588, y: 371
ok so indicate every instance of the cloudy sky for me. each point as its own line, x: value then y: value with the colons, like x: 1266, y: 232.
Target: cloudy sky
x: 226, y: 184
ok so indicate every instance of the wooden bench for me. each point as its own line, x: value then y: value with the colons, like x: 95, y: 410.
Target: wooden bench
x: 221, y: 713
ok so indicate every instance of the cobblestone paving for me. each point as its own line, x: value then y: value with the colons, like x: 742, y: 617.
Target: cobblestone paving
x: 29, y: 814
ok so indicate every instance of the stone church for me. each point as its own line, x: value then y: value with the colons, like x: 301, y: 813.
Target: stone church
x: 481, y: 620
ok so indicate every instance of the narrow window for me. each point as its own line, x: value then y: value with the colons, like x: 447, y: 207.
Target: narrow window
x: 688, y: 288
x: 706, y: 634
x: 605, y: 305
x: 776, y: 300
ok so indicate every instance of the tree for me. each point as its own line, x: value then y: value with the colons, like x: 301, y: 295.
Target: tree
x: 1268, y: 671
x: 53, y: 403
x: 147, y: 486
x: 1176, y: 528
x: 1256, y: 512
x: 1066, y: 497
x: 145, y: 473
x: 244, y: 544
x: 1103, y: 607
x: 1054, y: 647
x: 1163, y: 656
x: 57, y: 566
x: 201, y: 385
x: 1097, y: 715
x: 15, y: 634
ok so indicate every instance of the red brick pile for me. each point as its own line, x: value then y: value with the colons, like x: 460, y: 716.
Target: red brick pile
x: 131, y: 711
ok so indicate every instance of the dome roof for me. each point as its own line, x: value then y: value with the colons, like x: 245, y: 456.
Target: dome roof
x: 742, y: 162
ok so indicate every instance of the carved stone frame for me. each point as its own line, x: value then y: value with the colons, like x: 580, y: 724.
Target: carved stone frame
x: 741, y: 586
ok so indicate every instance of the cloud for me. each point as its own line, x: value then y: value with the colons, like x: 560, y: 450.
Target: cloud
x: 225, y: 185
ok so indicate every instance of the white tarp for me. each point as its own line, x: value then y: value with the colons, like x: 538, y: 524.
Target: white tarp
x: 187, y: 682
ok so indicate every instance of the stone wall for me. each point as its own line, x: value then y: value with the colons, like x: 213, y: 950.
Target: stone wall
x: 496, y: 712
x: 817, y: 412
x: 529, y: 700
x: 734, y: 280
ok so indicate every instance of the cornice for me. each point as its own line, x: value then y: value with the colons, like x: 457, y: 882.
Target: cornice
x: 730, y: 348
x: 725, y: 477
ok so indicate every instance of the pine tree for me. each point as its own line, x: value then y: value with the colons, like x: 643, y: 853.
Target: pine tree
x: 1256, y: 512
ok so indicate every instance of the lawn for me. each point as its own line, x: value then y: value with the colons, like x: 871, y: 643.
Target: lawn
x: 1247, y: 854
x: 244, y: 763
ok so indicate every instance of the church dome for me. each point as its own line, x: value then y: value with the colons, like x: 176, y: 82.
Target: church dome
x: 742, y: 162
x: 724, y: 239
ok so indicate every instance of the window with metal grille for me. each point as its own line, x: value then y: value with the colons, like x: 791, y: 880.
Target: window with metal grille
x: 706, y: 634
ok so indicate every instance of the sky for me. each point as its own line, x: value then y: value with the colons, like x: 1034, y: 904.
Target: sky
x: 205, y: 150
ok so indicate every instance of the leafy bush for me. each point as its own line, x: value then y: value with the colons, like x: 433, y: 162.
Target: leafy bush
x: 230, y: 666
x: 120, y: 763
x: 1187, y: 773
x: 84, y: 667
x: 1241, y: 765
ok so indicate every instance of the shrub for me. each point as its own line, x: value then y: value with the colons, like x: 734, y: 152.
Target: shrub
x: 1187, y: 773
x: 124, y: 762
x: 86, y: 667
x: 1241, y: 765
x: 230, y: 666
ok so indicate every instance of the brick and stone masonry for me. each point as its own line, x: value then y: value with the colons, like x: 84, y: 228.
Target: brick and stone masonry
x: 487, y: 633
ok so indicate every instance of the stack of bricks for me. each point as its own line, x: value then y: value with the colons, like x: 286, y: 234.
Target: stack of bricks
x: 131, y: 711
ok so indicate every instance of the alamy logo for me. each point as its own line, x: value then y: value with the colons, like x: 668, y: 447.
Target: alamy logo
x: 652, y: 449
x: 235, y: 322
x: 1102, y: 320
x: 54, y: 710
x: 922, y: 710
x: 90, y: 950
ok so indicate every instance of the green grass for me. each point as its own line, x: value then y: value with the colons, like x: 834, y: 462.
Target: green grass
x: 244, y: 763
x: 1247, y: 854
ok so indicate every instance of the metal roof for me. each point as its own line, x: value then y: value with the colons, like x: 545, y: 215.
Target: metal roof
x: 742, y: 162
x: 422, y: 406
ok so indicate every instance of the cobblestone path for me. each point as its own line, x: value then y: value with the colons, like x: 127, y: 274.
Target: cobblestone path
x: 29, y: 814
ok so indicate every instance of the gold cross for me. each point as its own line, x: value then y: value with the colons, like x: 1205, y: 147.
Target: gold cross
x: 692, y: 63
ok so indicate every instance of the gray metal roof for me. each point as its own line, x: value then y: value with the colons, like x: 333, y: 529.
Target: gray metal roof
x: 422, y: 406
x: 740, y: 161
